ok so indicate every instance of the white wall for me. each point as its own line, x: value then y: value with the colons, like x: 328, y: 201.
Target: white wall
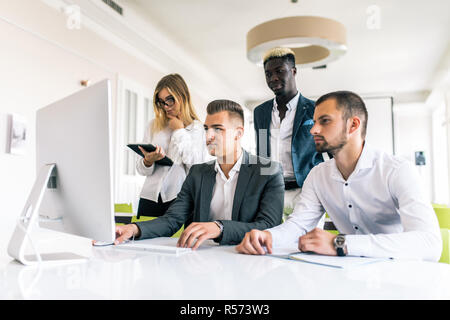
x: 412, y: 124
x: 379, y: 126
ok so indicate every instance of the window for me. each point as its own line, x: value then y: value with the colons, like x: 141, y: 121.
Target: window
x: 134, y: 112
x: 440, y: 155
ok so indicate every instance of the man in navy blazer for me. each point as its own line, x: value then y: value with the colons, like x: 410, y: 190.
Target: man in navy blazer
x: 283, y: 124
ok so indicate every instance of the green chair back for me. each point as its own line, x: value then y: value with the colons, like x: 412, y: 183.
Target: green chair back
x: 179, y: 232
x: 443, y: 216
x: 437, y: 205
x: 329, y: 225
x: 142, y: 218
x: 445, y: 256
x: 123, y: 207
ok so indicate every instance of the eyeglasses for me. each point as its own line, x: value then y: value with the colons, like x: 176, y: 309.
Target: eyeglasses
x: 170, y: 101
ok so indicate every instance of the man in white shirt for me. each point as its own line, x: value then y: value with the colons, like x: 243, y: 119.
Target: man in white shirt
x: 374, y: 199
x: 224, y: 198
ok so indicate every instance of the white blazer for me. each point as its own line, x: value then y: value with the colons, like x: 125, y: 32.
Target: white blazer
x: 185, y: 147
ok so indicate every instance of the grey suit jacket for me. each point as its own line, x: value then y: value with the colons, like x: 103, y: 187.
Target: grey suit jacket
x: 257, y: 204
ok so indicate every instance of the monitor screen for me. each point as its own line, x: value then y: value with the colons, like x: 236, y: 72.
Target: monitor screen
x: 75, y: 135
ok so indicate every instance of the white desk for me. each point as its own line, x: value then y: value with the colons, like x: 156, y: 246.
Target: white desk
x: 218, y: 272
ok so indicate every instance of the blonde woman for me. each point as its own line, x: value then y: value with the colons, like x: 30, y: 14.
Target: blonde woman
x: 177, y: 133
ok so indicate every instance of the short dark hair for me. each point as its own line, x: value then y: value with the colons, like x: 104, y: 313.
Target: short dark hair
x: 352, y: 104
x: 233, y: 108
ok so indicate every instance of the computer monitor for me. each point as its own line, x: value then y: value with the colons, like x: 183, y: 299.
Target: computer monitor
x: 73, y: 192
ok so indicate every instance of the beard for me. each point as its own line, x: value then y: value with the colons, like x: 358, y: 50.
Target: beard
x: 332, y: 148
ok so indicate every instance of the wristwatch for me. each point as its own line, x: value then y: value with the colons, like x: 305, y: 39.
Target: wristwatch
x: 220, y: 225
x: 339, y: 245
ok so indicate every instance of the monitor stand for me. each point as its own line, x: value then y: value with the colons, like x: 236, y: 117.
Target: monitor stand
x: 28, y: 219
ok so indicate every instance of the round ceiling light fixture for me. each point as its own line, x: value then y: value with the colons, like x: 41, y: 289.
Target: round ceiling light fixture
x: 315, y: 41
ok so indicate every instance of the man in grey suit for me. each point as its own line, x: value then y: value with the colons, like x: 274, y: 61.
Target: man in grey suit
x: 224, y: 198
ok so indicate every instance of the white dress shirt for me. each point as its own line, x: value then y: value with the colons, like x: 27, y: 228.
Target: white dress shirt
x: 381, y: 208
x: 223, y: 193
x: 281, y: 136
x: 185, y: 147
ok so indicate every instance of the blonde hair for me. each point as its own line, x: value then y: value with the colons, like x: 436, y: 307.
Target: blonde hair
x: 278, y: 52
x: 177, y: 87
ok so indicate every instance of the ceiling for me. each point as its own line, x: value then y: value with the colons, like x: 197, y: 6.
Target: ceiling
x: 401, y: 58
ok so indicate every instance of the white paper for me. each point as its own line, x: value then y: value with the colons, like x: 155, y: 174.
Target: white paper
x: 333, y: 261
x: 283, y: 252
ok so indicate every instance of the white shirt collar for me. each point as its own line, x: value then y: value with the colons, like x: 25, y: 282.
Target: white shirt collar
x: 233, y: 171
x: 366, y: 160
x: 291, y: 105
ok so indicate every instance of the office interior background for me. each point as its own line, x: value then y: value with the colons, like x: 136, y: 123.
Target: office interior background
x: 398, y: 59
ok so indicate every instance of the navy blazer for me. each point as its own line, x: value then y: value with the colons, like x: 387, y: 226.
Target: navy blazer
x: 303, y: 149
x: 257, y: 204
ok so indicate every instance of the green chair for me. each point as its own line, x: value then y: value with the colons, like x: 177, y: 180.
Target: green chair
x: 329, y: 225
x: 122, y: 208
x: 445, y: 256
x: 443, y: 216
x: 437, y: 205
x: 144, y: 218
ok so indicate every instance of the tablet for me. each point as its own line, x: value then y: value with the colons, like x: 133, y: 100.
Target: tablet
x: 150, y: 148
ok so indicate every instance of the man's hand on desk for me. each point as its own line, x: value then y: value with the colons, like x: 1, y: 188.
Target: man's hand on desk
x: 126, y: 232
x: 318, y: 241
x: 254, y: 241
x: 199, y: 231
x: 123, y: 233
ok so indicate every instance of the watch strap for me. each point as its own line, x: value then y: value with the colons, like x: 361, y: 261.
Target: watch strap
x: 220, y: 225
x: 340, y: 251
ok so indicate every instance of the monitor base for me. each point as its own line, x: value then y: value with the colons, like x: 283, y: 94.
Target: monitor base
x: 55, y: 258
x: 28, y: 218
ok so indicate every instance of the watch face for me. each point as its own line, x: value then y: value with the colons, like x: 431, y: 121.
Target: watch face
x: 340, y: 241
